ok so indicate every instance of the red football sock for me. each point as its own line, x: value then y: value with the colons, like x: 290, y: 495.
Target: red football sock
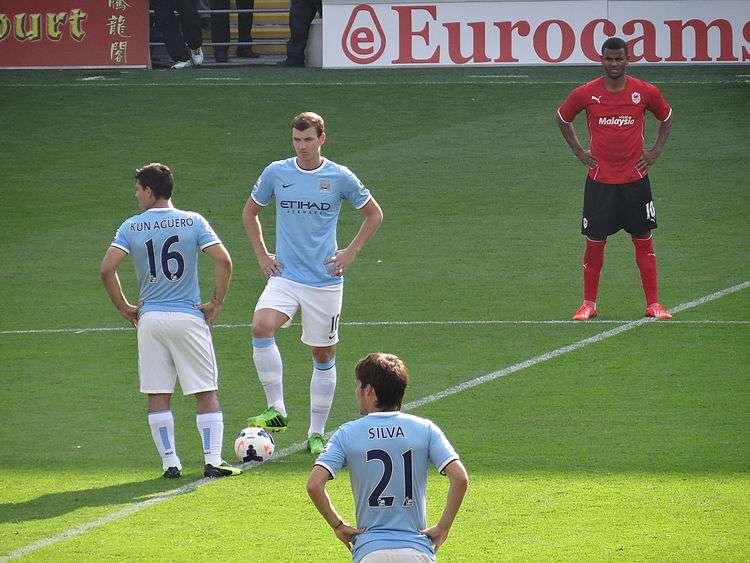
x: 646, y: 260
x: 593, y: 259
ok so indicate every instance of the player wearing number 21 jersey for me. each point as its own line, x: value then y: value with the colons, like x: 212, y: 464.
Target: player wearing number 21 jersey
x: 174, y: 340
x: 388, y: 454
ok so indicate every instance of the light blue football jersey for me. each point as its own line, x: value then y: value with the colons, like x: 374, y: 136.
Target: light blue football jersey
x: 388, y: 454
x: 308, y: 203
x: 164, y: 243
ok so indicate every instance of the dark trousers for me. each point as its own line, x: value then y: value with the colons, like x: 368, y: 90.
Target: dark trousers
x: 301, y: 14
x: 220, y: 22
x: 177, y: 34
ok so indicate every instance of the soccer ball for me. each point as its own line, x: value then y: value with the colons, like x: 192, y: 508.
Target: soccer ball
x: 254, y: 444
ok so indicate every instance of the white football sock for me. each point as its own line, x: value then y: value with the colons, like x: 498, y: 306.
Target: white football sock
x: 211, y: 429
x: 162, y: 431
x: 322, y: 389
x: 270, y: 370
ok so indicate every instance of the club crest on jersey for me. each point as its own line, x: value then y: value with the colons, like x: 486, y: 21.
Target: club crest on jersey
x: 325, y: 185
x: 636, y: 97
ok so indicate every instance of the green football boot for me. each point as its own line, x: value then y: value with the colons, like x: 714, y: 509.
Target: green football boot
x: 315, y: 444
x: 272, y: 420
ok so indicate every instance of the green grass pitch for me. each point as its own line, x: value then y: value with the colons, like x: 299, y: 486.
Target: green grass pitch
x: 633, y: 447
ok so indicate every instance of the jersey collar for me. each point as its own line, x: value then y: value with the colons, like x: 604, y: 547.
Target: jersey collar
x: 323, y: 162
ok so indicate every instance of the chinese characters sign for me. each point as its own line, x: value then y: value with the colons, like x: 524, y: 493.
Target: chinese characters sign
x: 74, y: 34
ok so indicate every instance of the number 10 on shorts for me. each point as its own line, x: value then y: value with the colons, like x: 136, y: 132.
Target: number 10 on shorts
x: 650, y: 211
x: 334, y: 326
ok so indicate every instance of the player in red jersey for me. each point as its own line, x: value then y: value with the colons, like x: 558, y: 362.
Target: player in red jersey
x: 618, y: 193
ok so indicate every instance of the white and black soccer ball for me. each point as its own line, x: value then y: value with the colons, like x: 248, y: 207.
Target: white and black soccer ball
x: 254, y: 444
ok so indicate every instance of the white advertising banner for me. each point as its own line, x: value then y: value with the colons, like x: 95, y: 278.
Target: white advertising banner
x: 493, y: 33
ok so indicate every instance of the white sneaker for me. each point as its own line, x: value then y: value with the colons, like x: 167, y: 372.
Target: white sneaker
x: 196, y: 55
x: 182, y: 64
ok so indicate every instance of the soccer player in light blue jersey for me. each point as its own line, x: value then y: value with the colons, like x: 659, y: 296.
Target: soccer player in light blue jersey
x: 174, y: 339
x: 388, y: 454
x: 306, y: 270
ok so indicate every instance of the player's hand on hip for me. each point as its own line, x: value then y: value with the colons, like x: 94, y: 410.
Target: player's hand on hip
x: 210, y: 311
x: 269, y: 265
x: 346, y: 534
x: 437, y: 534
x: 587, y: 159
x: 646, y: 160
x: 341, y: 262
x: 130, y: 313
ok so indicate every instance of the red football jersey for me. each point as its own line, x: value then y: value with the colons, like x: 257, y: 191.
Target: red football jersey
x: 616, y: 123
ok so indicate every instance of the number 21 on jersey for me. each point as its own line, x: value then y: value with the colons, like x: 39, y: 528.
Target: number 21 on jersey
x: 375, y: 500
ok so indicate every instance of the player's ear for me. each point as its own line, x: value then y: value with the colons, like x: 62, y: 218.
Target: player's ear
x: 322, y: 138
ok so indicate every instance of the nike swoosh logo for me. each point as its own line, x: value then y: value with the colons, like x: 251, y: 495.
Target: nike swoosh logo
x: 287, y: 185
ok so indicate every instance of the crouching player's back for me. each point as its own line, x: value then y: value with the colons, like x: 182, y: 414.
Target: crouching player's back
x: 388, y: 454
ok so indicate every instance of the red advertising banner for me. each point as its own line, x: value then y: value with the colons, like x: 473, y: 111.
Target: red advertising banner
x: 74, y: 34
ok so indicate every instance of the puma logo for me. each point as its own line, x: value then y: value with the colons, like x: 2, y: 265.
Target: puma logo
x: 597, y: 99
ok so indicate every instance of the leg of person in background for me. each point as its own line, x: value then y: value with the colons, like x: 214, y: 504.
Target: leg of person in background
x: 163, y: 10
x: 161, y: 422
x: 244, y: 29
x: 301, y: 14
x: 210, y: 422
x: 645, y: 258
x: 220, y: 30
x: 270, y: 369
x: 191, y: 29
x: 322, y: 390
x: 593, y: 260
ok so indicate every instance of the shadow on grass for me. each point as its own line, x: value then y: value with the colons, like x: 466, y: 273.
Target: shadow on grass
x: 52, y: 505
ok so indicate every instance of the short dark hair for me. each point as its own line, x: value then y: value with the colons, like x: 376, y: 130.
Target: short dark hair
x: 309, y: 119
x: 158, y: 177
x: 388, y: 376
x: 615, y: 44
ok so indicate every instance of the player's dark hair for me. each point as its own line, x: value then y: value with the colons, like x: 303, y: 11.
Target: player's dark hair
x: 158, y: 177
x: 309, y: 119
x: 388, y: 376
x: 615, y: 44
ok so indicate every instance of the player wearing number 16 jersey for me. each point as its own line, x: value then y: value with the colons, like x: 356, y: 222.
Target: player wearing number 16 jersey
x: 618, y: 191
x: 174, y: 340
x: 388, y: 454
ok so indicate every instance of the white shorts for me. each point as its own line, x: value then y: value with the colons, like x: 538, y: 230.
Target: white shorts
x: 175, y: 345
x: 321, y: 308
x: 401, y: 555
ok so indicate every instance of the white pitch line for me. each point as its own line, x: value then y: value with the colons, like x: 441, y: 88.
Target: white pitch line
x: 395, y: 323
x: 569, y: 348
x: 100, y: 84
x: 293, y: 448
